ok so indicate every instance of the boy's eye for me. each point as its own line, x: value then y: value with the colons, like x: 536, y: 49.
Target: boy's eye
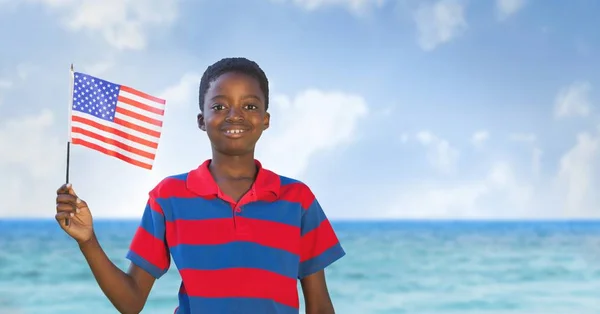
x: 251, y: 107
x: 217, y: 107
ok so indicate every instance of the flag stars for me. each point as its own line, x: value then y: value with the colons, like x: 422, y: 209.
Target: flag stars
x: 95, y: 96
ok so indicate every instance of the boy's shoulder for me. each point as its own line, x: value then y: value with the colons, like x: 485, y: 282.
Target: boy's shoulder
x: 170, y: 185
x: 296, y: 190
x: 287, y: 183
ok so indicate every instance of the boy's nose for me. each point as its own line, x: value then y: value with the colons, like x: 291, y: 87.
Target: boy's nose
x: 235, y: 113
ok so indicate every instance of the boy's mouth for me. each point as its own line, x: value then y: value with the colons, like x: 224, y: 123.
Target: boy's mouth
x: 235, y: 133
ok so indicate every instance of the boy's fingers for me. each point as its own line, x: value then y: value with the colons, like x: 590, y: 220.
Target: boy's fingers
x: 67, y: 202
x: 63, y: 189
x: 76, y: 207
x: 67, y: 199
x: 66, y: 189
x: 62, y: 217
x: 62, y: 207
x: 81, y: 206
x: 71, y: 190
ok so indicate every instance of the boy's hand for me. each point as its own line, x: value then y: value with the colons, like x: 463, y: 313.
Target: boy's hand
x: 71, y: 207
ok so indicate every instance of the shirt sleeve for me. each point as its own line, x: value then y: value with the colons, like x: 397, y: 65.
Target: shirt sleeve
x: 319, y: 245
x: 148, y: 249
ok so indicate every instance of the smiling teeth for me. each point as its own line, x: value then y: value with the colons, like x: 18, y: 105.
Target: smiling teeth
x: 234, y: 131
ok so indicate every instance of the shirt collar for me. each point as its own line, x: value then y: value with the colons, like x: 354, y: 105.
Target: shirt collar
x: 201, y: 181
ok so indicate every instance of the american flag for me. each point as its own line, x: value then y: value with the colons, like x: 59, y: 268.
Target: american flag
x: 116, y: 120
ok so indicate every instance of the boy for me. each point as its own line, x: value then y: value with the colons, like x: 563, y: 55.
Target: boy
x: 240, y: 235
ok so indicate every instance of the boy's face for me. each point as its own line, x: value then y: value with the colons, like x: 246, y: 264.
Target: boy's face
x: 234, y: 114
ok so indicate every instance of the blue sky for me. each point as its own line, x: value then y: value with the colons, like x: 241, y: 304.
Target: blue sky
x: 385, y: 108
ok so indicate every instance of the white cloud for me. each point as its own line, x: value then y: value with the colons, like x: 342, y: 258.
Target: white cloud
x: 480, y: 137
x: 573, y: 100
x: 503, y: 192
x: 25, y: 143
x: 439, y: 23
x: 576, y: 176
x: 507, y: 8
x: 435, y: 200
x: 184, y: 93
x: 355, y: 6
x: 312, y: 122
x: 30, y: 164
x: 499, y: 194
x: 124, y: 24
x: 503, y: 178
x: 441, y: 154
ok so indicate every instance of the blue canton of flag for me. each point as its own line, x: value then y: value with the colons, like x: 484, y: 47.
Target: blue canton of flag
x: 95, y: 96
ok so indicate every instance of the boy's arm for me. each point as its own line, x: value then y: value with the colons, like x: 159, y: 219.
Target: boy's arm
x: 316, y: 294
x: 127, y: 292
x: 149, y: 254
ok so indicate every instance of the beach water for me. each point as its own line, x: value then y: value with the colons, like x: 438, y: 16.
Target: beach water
x: 390, y: 267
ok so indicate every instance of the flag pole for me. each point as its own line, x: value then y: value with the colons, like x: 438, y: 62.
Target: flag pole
x: 70, y: 102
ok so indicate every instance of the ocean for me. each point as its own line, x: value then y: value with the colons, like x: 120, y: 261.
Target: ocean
x: 391, y: 267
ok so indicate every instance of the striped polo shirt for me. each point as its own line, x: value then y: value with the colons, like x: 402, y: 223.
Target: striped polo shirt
x: 243, y: 257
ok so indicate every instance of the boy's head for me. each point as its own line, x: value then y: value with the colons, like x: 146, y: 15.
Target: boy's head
x: 237, y: 65
x: 234, y: 97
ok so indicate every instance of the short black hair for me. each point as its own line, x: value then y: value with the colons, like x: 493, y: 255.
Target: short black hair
x: 236, y: 64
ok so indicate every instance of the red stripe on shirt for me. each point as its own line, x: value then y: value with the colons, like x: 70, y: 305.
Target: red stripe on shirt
x: 150, y: 248
x: 222, y: 230
x: 155, y: 206
x: 174, y: 187
x: 297, y: 193
x: 317, y: 241
x: 241, y: 283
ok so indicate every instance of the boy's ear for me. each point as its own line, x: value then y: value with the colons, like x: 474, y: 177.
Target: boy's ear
x: 266, y: 121
x: 201, y: 123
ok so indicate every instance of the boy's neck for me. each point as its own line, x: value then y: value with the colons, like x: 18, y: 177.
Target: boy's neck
x: 233, y: 167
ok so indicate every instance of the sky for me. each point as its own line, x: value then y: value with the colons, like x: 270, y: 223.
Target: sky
x: 386, y: 109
